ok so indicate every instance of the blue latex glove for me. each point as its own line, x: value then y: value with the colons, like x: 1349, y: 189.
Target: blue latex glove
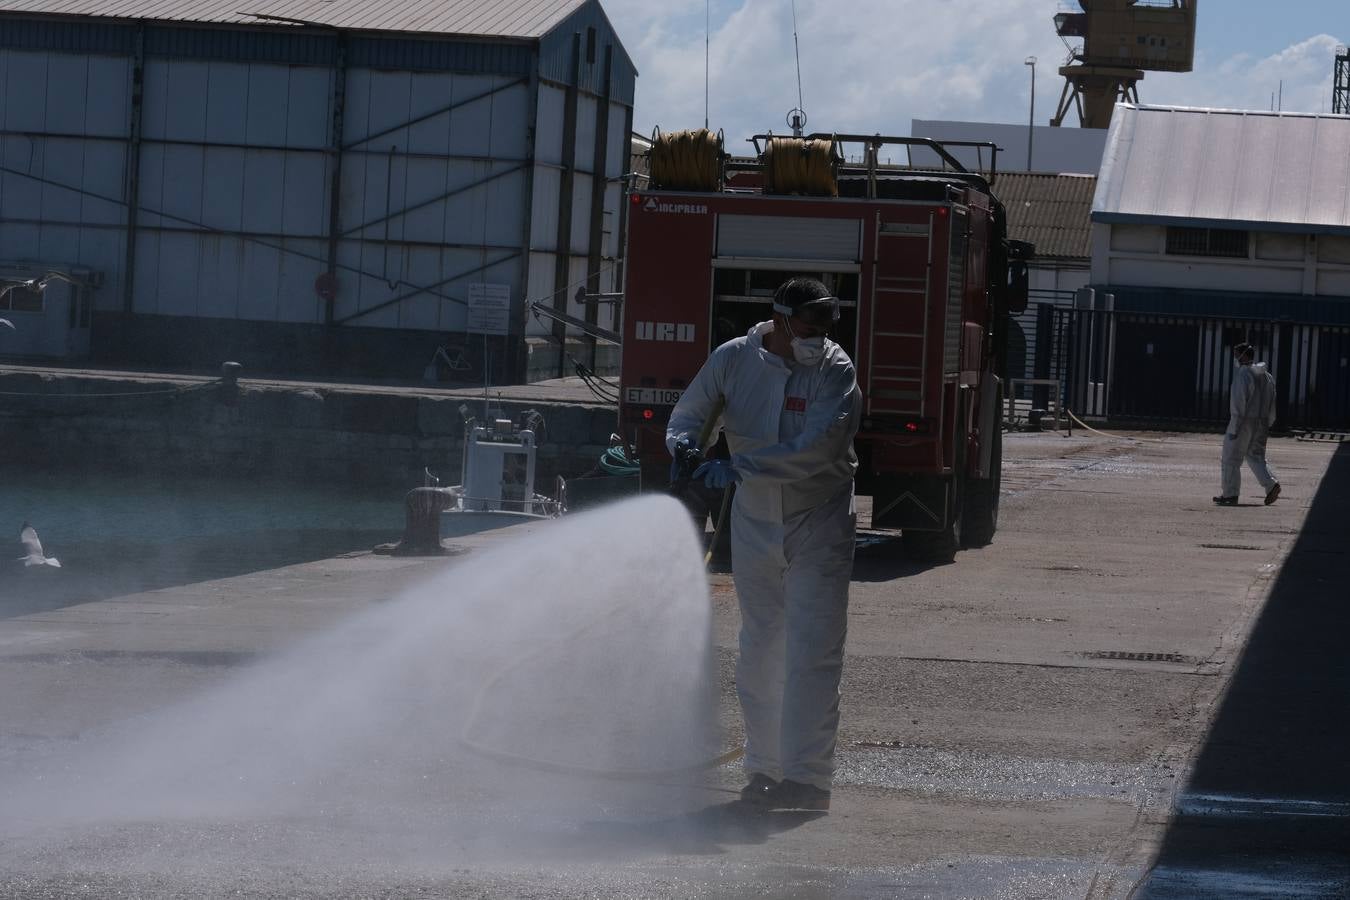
x: 717, y: 474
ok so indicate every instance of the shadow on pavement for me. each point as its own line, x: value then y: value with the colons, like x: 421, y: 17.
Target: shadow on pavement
x: 881, y: 556
x: 877, y: 556
x: 1267, y: 810
x: 705, y: 832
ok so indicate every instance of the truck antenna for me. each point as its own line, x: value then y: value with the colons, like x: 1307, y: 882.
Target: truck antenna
x: 797, y: 117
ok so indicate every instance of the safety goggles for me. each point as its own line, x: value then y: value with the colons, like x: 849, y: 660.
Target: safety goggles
x: 820, y: 313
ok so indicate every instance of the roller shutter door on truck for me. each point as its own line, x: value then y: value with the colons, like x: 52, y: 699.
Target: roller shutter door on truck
x: 788, y: 238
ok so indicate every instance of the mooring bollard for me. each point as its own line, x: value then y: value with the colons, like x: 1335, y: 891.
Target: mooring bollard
x: 422, y: 524
x: 229, y: 383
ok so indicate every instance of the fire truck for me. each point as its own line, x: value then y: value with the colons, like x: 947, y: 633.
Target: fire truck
x: 926, y: 275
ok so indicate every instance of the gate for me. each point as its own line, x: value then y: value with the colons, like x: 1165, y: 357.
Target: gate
x: 1159, y: 368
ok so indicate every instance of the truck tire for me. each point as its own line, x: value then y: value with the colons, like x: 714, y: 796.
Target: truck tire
x: 937, y: 547
x: 980, y: 513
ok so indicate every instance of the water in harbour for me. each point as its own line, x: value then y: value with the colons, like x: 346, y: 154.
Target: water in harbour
x: 121, y: 534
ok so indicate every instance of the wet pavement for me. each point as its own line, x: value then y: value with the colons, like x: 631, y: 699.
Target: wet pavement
x: 1131, y: 693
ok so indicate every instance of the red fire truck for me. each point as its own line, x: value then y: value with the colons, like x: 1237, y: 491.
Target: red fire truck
x: 921, y: 261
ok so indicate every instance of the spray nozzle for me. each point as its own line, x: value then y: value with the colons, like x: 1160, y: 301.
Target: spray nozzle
x: 687, y: 458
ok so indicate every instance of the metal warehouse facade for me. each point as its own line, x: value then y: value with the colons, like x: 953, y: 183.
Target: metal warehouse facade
x: 308, y: 186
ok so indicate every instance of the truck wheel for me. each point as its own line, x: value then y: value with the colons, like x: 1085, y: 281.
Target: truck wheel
x: 980, y: 513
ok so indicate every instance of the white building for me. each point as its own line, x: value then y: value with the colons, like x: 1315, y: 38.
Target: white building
x: 1056, y: 150
x: 1226, y: 213
x: 308, y: 188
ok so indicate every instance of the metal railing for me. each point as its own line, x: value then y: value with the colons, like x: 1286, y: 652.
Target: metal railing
x: 1017, y: 407
x: 1156, y: 367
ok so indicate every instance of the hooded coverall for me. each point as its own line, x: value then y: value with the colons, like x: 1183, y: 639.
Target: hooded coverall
x: 1252, y: 412
x: 790, y: 429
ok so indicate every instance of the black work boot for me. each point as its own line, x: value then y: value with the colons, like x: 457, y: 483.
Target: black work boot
x: 760, y: 791
x: 1225, y: 501
x: 1273, y: 494
x: 795, y: 795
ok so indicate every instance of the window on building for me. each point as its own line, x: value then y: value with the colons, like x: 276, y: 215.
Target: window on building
x: 21, y: 299
x: 1225, y: 242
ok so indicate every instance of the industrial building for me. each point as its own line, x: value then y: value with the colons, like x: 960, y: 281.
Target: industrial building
x: 1222, y: 212
x: 1048, y: 149
x: 1210, y: 228
x: 309, y: 187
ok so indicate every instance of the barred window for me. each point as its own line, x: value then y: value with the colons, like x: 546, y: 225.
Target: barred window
x: 21, y: 299
x: 1207, y: 242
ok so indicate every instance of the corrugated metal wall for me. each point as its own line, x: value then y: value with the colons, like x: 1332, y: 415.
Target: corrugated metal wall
x: 62, y: 161
x: 548, y: 176
x: 430, y: 207
x: 555, y: 55
x: 440, y: 185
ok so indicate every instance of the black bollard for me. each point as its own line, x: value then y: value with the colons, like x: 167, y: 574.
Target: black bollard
x: 422, y: 524
x: 229, y: 383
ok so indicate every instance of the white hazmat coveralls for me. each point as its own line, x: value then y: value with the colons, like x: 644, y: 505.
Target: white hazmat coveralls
x: 1252, y: 412
x: 790, y: 429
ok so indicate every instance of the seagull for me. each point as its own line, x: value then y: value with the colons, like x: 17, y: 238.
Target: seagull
x: 28, y: 537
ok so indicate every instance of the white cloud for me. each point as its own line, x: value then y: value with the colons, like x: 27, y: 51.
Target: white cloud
x: 1245, y: 82
x: 869, y: 65
x: 874, y: 65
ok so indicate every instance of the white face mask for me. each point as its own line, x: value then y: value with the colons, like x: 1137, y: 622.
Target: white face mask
x: 806, y: 351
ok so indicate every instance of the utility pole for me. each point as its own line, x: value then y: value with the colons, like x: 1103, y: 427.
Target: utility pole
x: 1031, y: 124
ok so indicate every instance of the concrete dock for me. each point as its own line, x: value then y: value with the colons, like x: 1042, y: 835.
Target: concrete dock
x: 1130, y: 693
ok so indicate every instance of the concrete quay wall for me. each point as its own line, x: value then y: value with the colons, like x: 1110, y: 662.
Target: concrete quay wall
x: 355, y: 434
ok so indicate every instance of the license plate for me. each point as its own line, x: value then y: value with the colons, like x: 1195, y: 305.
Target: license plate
x: 652, y: 396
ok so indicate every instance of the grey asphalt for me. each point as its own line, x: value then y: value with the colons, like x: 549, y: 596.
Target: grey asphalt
x: 1131, y: 693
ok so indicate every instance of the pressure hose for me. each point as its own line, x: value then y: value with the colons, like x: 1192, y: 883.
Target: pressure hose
x: 615, y: 461
x: 703, y: 438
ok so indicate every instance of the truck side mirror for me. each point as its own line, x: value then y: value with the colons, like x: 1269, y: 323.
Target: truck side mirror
x: 1019, y: 286
x: 1020, y: 254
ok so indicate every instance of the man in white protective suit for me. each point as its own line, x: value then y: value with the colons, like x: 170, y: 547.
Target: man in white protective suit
x: 789, y: 403
x: 1252, y: 412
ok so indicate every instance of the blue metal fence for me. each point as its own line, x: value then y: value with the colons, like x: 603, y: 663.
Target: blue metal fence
x: 1160, y: 368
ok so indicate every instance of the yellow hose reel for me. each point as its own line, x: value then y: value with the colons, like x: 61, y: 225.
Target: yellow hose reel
x: 687, y: 161
x: 805, y: 166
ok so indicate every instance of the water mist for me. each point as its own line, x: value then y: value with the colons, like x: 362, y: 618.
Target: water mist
x: 557, y: 680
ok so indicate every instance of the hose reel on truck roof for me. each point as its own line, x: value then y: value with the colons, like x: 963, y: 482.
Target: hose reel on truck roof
x: 687, y: 161
x: 803, y: 166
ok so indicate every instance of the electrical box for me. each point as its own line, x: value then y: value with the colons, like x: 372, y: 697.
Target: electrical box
x: 498, y: 470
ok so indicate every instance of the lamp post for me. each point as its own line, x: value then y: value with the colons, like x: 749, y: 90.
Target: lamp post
x: 1031, y: 124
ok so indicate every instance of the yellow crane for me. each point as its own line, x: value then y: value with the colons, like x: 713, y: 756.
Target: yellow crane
x: 1122, y: 39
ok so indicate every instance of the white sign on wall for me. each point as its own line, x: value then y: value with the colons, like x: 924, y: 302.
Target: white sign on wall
x: 489, y: 309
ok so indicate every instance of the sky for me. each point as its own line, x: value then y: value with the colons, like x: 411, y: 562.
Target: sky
x: 874, y: 65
